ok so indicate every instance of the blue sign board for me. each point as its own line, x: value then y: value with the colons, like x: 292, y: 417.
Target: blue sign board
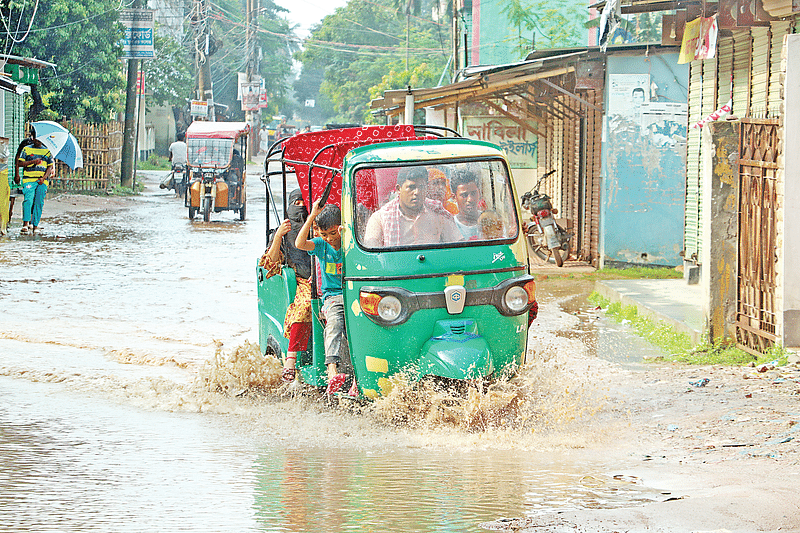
x: 138, y: 41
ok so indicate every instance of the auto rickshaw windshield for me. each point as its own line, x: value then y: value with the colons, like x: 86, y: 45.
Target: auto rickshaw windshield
x: 209, y: 152
x: 424, y: 206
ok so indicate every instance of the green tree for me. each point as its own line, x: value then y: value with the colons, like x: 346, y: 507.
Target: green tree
x: 361, y: 49
x: 275, y: 40
x: 83, y: 40
x: 170, y: 75
x: 558, y: 23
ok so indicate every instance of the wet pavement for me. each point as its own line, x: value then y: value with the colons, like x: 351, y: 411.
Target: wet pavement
x: 110, y: 315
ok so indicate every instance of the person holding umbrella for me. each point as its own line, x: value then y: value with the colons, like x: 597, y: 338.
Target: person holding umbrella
x: 37, y: 166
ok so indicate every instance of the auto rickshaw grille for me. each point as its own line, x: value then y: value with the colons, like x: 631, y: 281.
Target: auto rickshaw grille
x: 458, y: 329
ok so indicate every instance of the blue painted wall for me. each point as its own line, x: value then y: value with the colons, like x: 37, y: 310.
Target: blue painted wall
x: 644, y: 163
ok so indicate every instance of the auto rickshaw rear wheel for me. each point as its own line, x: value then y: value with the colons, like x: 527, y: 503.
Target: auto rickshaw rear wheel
x: 242, y: 210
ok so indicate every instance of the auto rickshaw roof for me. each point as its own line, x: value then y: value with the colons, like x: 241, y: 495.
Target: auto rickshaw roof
x: 323, y: 152
x: 202, y: 129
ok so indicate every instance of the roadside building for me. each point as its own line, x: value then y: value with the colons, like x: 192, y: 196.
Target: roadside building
x: 620, y: 192
x: 690, y: 169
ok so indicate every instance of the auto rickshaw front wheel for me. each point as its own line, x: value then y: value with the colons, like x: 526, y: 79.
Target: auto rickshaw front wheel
x: 243, y: 209
x: 206, y: 209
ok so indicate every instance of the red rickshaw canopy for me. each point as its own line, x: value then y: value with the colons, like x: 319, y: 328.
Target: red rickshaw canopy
x: 304, y: 146
x: 202, y: 129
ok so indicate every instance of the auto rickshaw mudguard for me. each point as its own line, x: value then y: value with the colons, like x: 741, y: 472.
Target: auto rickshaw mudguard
x: 312, y: 363
x: 456, y: 351
x: 275, y: 294
x: 195, y: 194
x: 221, y: 199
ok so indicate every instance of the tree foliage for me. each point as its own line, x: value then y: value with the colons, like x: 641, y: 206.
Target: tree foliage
x: 83, y: 40
x: 554, y: 23
x: 169, y: 77
x: 275, y: 40
x: 361, y: 50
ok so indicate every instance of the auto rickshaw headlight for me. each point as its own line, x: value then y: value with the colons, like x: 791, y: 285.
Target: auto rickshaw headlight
x: 389, y: 308
x: 516, y: 299
x: 369, y: 302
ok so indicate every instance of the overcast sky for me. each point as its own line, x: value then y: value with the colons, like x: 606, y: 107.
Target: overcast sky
x: 309, y: 12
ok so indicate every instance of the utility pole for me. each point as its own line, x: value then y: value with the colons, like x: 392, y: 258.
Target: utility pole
x: 455, y: 36
x: 252, y: 116
x: 408, y: 29
x: 128, y: 163
x: 201, y: 11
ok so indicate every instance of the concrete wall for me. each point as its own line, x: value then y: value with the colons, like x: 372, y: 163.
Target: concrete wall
x: 644, y: 161
x: 790, y: 231
x: 720, y: 227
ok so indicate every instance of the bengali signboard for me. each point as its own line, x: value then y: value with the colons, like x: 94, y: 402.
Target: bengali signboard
x: 251, y: 92
x: 137, y: 43
x: 519, y: 143
x: 199, y: 109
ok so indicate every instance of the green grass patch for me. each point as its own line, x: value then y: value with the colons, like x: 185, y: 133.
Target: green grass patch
x: 115, y: 190
x: 678, y: 345
x: 154, y: 162
x: 636, y: 272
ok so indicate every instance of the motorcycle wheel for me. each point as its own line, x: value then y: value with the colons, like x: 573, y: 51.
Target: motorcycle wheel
x: 243, y: 209
x: 541, y: 251
x: 206, y: 209
x: 557, y: 256
x: 192, y: 212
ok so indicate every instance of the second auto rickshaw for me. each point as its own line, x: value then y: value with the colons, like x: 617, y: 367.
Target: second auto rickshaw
x: 217, y: 152
x: 448, y: 296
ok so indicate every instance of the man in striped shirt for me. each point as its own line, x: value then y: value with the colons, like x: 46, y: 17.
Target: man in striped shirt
x: 37, y: 166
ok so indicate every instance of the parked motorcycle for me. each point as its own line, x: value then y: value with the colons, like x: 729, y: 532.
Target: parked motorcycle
x: 545, y: 236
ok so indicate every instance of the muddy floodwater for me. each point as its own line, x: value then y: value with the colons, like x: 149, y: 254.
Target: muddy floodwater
x: 110, y: 316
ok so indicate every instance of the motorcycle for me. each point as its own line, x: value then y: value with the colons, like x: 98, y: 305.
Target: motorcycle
x: 545, y: 236
x: 179, y: 179
x: 176, y: 180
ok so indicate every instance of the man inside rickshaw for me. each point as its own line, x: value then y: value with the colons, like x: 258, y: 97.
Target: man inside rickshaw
x: 234, y: 176
x: 466, y: 185
x: 410, y: 218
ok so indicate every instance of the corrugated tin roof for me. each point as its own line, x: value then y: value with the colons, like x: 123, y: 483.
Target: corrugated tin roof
x: 481, y: 78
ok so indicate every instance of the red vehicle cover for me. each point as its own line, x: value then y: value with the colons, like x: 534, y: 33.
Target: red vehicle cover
x: 304, y: 146
x: 201, y: 129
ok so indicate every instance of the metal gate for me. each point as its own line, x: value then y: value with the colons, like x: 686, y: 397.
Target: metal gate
x: 755, y: 310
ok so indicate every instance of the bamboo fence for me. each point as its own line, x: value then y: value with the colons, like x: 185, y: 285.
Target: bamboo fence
x: 101, y: 145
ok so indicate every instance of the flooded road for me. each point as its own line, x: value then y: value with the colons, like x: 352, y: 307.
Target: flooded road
x: 108, y: 318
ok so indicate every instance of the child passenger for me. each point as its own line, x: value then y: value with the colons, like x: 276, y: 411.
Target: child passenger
x: 297, y: 324
x: 328, y: 250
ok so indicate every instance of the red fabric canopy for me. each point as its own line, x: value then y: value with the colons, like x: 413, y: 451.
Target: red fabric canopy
x: 304, y: 146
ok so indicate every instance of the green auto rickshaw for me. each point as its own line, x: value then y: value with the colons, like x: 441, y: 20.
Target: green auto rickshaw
x: 435, y: 281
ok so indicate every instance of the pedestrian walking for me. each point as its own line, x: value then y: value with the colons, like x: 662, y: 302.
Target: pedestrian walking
x: 37, y: 168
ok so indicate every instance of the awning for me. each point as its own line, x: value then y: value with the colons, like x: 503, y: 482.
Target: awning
x: 7, y: 84
x: 628, y: 7
x: 201, y: 129
x: 480, y: 82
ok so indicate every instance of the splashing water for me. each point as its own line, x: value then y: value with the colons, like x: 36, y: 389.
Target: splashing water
x: 243, y: 370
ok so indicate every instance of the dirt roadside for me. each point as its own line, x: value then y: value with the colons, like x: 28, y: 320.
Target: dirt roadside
x: 726, y: 452
x: 59, y: 204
